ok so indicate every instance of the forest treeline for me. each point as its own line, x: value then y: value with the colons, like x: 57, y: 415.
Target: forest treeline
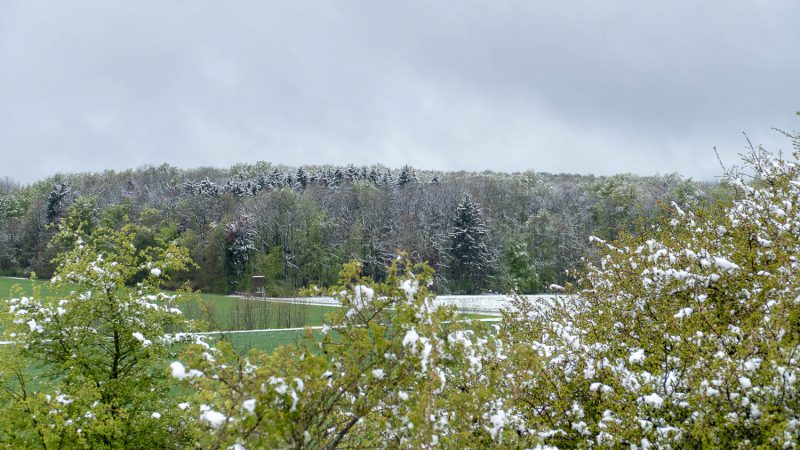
x: 481, y: 232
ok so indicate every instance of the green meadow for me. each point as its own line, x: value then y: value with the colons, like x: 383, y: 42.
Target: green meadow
x: 223, y: 314
x: 219, y: 313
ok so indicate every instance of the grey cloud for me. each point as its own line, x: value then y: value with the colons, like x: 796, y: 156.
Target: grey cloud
x: 587, y: 87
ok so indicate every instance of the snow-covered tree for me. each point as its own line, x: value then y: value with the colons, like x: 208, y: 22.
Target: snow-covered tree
x: 87, y: 366
x: 387, y: 179
x: 56, y: 201
x: 471, y: 260
x: 202, y: 188
x: 407, y: 176
x: 351, y: 173
x: 374, y: 175
x: 685, y: 337
x: 239, y: 187
x: 336, y: 177
x: 301, y: 179
x: 240, y: 244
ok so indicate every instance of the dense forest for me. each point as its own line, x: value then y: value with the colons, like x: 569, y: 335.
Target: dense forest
x: 481, y: 232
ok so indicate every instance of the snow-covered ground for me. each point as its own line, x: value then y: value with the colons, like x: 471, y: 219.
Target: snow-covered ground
x: 482, y: 304
x: 479, y: 304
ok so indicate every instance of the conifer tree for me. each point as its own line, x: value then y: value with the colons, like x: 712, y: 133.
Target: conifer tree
x: 301, y: 179
x: 471, y: 257
x: 407, y: 176
x: 374, y: 176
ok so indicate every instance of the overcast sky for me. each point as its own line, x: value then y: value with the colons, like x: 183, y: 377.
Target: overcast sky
x: 552, y: 86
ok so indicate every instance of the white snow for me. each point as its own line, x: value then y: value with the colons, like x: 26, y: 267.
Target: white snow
x: 678, y: 209
x: 654, y: 400
x: 745, y: 382
x: 179, y: 371
x: 214, y: 418
x: 410, y: 288
x: 711, y: 392
x: 498, y: 421
x: 280, y: 385
x: 362, y: 296
x: 683, y: 312
x: 636, y: 357
x: 363, y: 293
x: 249, y: 405
x: 34, y: 326
x: 410, y: 338
x: 725, y: 264
x: 140, y: 337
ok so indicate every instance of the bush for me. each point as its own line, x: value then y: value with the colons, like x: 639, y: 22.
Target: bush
x: 89, y: 368
x: 688, y: 336
x: 382, y: 374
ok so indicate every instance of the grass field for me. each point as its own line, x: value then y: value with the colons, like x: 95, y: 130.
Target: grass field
x: 262, y: 340
x: 7, y: 285
x: 219, y: 312
x: 224, y: 313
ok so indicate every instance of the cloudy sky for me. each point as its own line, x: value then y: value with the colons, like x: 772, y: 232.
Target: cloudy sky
x: 552, y: 86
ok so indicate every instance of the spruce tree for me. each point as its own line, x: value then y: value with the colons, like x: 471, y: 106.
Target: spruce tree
x: 374, y: 176
x: 407, y: 176
x: 301, y: 179
x: 471, y: 258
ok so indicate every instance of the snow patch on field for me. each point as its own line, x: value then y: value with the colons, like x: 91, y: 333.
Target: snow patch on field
x: 477, y: 304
